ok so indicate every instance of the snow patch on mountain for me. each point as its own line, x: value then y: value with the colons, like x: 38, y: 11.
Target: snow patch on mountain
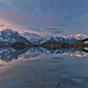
x: 37, y: 39
x: 8, y: 37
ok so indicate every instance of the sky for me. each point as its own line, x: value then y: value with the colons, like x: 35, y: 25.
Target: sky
x: 68, y: 16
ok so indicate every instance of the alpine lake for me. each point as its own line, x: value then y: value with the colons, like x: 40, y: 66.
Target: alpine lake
x: 43, y: 68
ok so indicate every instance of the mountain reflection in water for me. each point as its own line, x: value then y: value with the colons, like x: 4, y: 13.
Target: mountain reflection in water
x: 9, y: 54
x: 49, y: 68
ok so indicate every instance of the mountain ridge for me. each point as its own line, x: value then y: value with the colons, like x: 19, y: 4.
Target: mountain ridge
x: 9, y: 37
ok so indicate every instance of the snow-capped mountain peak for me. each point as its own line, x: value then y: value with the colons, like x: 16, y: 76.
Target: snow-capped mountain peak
x: 80, y: 36
x: 8, y: 37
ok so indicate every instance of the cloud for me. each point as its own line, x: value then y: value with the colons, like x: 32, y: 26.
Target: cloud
x: 38, y: 15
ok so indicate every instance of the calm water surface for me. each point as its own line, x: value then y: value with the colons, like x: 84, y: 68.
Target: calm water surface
x: 43, y: 68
